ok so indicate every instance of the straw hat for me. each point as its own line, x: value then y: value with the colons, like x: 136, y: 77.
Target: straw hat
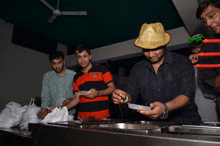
x: 152, y: 36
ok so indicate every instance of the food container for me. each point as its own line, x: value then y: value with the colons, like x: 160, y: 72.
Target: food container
x: 139, y: 107
x: 81, y: 92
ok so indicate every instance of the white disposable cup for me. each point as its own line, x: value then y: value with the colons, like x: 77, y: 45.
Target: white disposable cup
x: 70, y: 117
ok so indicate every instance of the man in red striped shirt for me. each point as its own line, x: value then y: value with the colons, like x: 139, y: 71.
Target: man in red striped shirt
x: 95, y: 79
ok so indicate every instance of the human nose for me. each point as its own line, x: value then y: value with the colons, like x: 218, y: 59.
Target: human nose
x: 209, y: 22
x: 151, y: 54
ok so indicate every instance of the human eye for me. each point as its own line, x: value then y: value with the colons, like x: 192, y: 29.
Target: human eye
x: 203, y: 20
x: 211, y: 16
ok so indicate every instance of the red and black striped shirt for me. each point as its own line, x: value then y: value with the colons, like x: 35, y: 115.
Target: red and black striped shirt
x: 97, y: 77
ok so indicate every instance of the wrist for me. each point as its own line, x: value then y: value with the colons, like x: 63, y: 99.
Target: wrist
x: 97, y: 93
x: 165, y: 113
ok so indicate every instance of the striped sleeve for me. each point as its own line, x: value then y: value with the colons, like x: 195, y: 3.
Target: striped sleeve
x: 107, y: 75
x: 75, y: 86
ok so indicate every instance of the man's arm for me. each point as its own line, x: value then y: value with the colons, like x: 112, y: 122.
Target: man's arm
x: 158, y: 108
x: 73, y: 102
x: 94, y: 93
x: 108, y: 91
x: 45, y: 97
x: 45, y: 94
x: 178, y: 102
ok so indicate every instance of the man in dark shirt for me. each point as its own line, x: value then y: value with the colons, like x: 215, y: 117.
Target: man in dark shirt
x: 164, y: 80
x: 209, y: 12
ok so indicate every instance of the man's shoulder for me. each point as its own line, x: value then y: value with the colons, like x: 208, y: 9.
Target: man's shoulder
x: 70, y: 72
x: 140, y: 63
x: 77, y: 75
x: 49, y: 73
x: 179, y: 59
x: 138, y: 67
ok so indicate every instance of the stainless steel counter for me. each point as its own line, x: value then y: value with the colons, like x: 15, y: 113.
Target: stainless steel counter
x: 116, y: 132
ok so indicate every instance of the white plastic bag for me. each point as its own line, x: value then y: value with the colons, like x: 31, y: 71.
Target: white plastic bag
x: 56, y: 115
x: 30, y: 116
x: 11, y: 115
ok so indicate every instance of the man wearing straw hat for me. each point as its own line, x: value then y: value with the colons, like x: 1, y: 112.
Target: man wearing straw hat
x: 164, y: 80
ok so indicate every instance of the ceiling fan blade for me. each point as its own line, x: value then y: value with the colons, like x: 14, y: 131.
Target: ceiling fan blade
x: 74, y: 12
x: 58, y: 4
x: 48, y: 5
x: 52, y: 18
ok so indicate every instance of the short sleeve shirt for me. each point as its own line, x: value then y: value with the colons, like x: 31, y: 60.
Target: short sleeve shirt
x: 97, y: 77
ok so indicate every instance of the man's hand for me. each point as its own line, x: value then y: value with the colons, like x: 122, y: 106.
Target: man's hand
x: 156, y: 112
x: 92, y: 94
x: 194, y: 58
x: 118, y: 96
x: 67, y: 101
x: 42, y: 113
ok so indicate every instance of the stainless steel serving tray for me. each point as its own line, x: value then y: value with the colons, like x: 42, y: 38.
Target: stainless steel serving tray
x: 195, y: 129
x: 88, y: 123
x: 133, y: 128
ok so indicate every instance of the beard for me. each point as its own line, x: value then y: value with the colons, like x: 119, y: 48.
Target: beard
x: 159, y: 59
x: 57, y: 69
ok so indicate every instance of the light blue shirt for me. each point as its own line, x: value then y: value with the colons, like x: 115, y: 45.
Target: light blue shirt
x: 56, y: 89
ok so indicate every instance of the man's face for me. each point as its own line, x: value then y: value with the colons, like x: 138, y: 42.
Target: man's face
x: 84, y: 59
x: 57, y: 64
x: 154, y: 55
x: 211, y: 17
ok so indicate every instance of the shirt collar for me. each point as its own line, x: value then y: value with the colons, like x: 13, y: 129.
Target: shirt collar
x: 93, y: 66
x: 168, y: 57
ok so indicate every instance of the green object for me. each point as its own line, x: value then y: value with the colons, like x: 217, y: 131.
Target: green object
x: 197, y: 38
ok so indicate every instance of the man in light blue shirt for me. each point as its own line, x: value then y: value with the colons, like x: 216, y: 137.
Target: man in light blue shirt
x: 57, y: 86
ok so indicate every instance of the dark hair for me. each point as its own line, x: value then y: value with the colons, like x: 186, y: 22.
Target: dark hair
x: 37, y: 101
x: 204, y: 4
x: 196, y: 43
x: 56, y: 55
x: 83, y: 47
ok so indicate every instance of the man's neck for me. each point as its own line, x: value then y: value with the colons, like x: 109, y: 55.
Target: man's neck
x: 62, y: 72
x: 157, y: 65
x: 87, y: 68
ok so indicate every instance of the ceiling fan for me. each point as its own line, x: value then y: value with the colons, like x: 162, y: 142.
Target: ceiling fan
x: 57, y: 12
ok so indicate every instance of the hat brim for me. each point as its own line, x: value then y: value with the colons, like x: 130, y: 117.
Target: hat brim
x: 147, y: 45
